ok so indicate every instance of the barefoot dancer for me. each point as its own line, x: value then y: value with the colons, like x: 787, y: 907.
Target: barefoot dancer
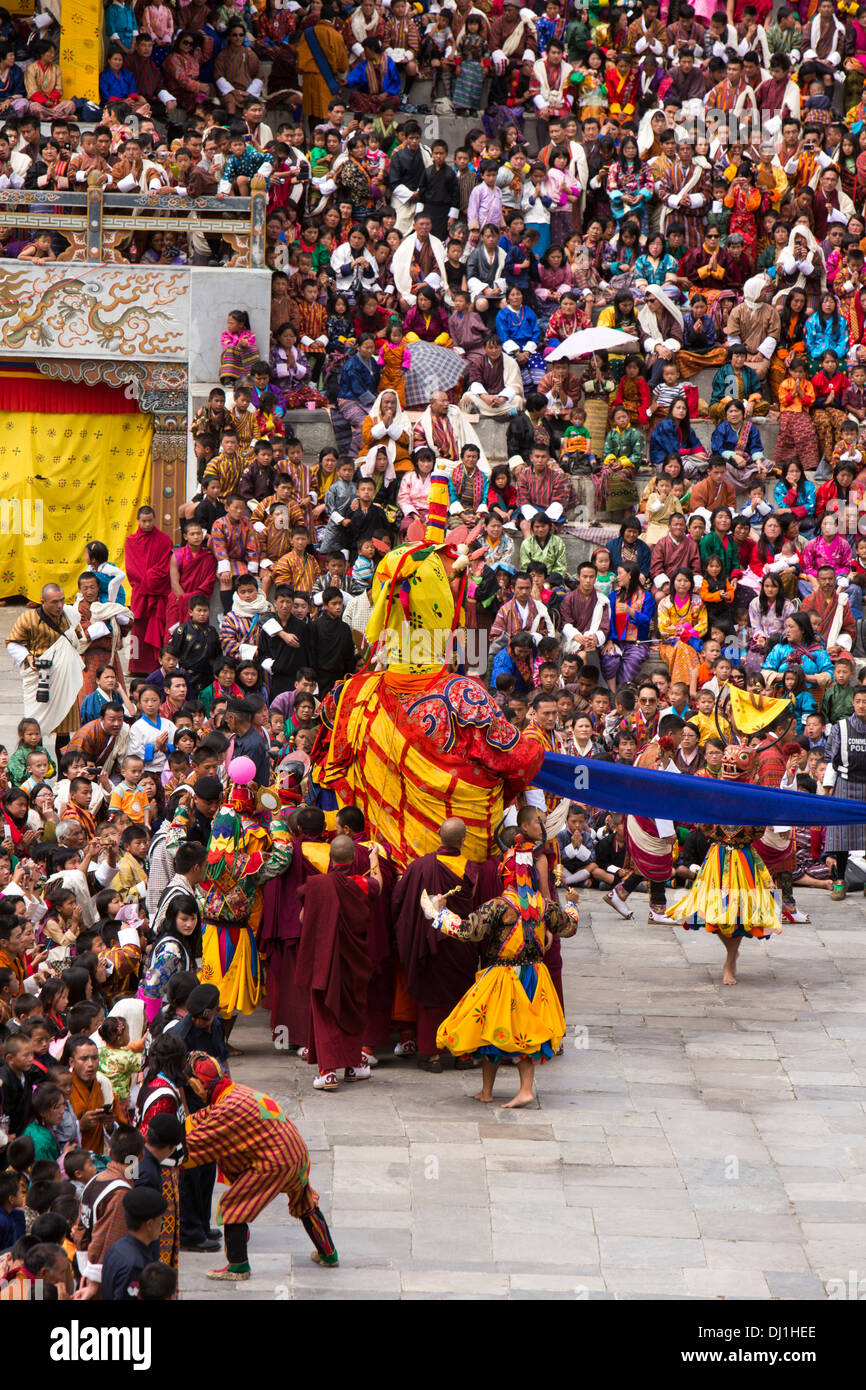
x: 512, y: 1012
x: 733, y: 893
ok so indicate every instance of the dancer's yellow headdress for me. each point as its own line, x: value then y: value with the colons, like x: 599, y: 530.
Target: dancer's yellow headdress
x: 751, y: 714
x: 416, y: 603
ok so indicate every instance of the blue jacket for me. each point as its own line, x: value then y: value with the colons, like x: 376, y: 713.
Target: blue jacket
x: 122, y: 1267
x: 644, y: 269
x: 642, y: 619
x: 724, y: 440
x: 391, y: 84
x: 523, y: 279
x: 805, y: 496
x: 725, y: 383
x: 116, y: 86
x: 814, y: 662
x: 819, y: 337
x: 121, y: 20
x: 665, y: 439
x: 11, y: 1227
x: 528, y: 332
x: 804, y: 705
x: 358, y: 381
x: 614, y: 550
x: 707, y: 336
x: 504, y: 666
x: 13, y: 84
x: 94, y: 704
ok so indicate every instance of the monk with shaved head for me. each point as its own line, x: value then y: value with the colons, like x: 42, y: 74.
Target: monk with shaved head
x: 333, y: 967
x: 438, y: 972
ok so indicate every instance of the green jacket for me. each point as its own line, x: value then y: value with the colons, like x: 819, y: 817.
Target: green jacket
x: 628, y: 443
x: 838, y: 702
x: 44, y: 1143
x: 552, y: 554
x: 711, y: 545
x: 18, y: 762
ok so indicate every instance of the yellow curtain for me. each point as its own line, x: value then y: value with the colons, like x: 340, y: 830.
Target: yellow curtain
x: 66, y: 480
x: 81, y: 49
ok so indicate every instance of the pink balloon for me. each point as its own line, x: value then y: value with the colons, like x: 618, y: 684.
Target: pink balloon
x: 242, y: 770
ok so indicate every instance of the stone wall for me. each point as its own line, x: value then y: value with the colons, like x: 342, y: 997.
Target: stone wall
x: 215, y: 293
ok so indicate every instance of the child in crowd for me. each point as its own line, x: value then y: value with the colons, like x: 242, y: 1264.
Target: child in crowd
x: 29, y: 741
x: 127, y: 796
x: 239, y: 348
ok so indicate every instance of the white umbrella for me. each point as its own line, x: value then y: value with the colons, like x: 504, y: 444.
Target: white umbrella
x: 590, y: 340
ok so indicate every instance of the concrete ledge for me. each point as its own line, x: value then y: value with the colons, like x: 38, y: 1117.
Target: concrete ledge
x: 768, y: 430
x: 492, y: 434
x: 312, y: 427
x: 315, y: 431
x: 452, y: 129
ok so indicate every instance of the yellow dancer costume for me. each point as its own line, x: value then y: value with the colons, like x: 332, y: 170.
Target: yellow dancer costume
x: 733, y: 893
x: 417, y: 744
x: 512, y: 1011
x: 229, y: 894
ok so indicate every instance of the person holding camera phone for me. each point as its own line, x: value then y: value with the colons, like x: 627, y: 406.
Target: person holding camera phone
x: 744, y: 199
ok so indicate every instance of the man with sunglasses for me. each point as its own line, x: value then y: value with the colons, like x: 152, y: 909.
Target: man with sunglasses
x: 708, y: 266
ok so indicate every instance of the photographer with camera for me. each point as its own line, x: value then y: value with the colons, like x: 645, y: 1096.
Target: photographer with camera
x: 44, y: 643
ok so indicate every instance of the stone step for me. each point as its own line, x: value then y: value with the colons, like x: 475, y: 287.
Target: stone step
x: 454, y: 129
x: 768, y: 430
x: 314, y: 429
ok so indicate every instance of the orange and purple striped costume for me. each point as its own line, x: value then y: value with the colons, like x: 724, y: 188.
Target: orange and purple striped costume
x: 259, y: 1152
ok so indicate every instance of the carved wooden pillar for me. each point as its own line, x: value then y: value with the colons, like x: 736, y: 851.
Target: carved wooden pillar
x: 164, y: 396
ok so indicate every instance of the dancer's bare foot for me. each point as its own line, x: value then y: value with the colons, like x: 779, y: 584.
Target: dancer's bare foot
x: 520, y: 1100
x: 488, y: 1076
x: 732, y: 950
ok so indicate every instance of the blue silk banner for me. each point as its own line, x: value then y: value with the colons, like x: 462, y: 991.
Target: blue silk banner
x: 691, y: 800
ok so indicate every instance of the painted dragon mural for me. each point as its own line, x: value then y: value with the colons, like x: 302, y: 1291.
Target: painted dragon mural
x: 122, y: 312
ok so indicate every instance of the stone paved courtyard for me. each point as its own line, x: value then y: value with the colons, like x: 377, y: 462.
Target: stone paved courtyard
x: 693, y: 1141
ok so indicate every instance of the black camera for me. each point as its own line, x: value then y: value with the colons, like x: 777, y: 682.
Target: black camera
x: 42, y: 666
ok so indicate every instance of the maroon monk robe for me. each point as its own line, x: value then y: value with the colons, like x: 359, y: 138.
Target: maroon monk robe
x: 333, y: 964
x: 423, y: 263
x: 278, y: 936
x: 198, y: 571
x: 438, y: 972
x: 488, y: 885
x: 490, y: 374
x: 380, y: 948
x: 148, y: 554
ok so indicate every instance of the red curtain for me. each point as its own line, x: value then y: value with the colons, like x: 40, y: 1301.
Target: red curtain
x: 24, y: 388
